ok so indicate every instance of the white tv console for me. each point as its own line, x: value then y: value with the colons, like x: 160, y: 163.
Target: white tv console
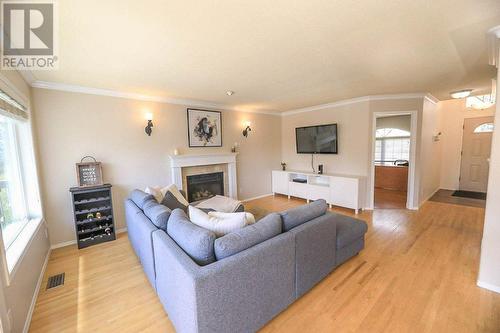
x: 339, y: 190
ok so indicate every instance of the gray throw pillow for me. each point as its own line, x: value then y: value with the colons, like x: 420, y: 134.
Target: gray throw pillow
x: 251, y: 235
x: 171, y: 202
x: 197, y: 242
x: 296, y: 216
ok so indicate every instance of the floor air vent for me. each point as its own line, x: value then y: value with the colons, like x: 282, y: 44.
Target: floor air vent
x: 55, y: 281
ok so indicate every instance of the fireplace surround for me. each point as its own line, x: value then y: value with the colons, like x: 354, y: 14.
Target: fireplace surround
x: 190, y: 164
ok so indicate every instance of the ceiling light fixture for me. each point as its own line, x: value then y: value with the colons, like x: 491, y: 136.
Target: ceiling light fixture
x: 229, y: 92
x: 461, y: 93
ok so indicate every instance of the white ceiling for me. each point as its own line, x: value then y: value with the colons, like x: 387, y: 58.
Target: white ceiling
x: 277, y: 55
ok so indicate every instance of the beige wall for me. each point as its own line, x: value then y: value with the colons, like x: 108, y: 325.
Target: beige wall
x: 489, y: 267
x: 353, y: 134
x: 72, y: 125
x: 430, y: 154
x: 18, y: 294
x: 452, y: 114
x: 355, y: 125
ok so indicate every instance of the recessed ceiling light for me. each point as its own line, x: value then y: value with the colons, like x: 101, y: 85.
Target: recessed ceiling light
x: 461, y: 93
x: 229, y: 92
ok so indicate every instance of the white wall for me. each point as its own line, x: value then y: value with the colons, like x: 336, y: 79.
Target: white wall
x: 72, y: 125
x: 489, y: 267
x: 20, y: 292
x: 452, y: 114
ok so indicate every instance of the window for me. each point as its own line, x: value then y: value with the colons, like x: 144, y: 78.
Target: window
x: 484, y: 128
x: 14, y: 215
x: 392, y: 144
x: 480, y: 102
x: 19, y: 196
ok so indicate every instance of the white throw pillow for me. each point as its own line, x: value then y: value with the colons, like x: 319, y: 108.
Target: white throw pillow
x: 249, y: 218
x: 155, y: 191
x: 218, y: 225
x: 175, y: 192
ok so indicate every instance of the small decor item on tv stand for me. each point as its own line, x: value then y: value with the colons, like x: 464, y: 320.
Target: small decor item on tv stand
x: 283, y: 166
x: 89, y: 173
x: 320, y: 169
x: 93, y: 215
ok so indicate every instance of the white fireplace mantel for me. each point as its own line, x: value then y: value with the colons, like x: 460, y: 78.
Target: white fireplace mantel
x: 177, y: 162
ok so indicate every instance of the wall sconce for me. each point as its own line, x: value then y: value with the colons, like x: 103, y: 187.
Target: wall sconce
x: 149, y: 128
x: 247, y: 129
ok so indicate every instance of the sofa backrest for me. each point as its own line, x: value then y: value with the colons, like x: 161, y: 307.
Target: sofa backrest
x: 251, y: 235
x: 301, y: 214
x: 140, y: 198
x: 197, y: 242
x: 157, y: 213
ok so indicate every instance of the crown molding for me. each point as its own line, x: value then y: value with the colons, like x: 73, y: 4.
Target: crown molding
x: 355, y: 100
x: 493, y: 36
x: 30, y: 79
x: 147, y: 98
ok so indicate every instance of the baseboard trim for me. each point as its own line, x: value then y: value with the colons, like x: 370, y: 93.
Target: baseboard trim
x: 257, y: 197
x: 488, y: 286
x: 62, y: 244
x: 27, y: 323
x: 73, y: 242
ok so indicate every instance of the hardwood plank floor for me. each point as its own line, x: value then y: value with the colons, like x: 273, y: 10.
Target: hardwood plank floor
x: 417, y: 274
x: 389, y: 199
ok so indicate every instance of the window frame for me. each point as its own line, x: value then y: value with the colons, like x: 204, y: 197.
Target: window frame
x: 384, y: 139
x: 11, y: 259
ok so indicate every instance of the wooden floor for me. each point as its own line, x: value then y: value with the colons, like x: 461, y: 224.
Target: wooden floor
x: 417, y: 274
x: 389, y: 199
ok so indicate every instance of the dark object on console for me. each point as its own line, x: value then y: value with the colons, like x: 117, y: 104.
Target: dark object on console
x: 87, y: 203
x: 299, y: 180
x: 320, y: 169
x: 401, y: 163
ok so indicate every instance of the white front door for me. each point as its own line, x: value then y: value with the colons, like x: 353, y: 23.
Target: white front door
x: 476, y: 149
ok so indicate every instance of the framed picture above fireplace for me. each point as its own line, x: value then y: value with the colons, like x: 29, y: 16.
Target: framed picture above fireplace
x: 204, y: 128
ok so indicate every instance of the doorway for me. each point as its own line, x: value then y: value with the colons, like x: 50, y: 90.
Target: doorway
x: 393, y: 160
x: 476, y: 149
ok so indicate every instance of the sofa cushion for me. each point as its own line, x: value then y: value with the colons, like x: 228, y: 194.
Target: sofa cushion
x: 249, y: 236
x: 296, y: 216
x: 158, y: 214
x: 349, y: 229
x: 220, y: 225
x: 140, y: 198
x: 197, y: 242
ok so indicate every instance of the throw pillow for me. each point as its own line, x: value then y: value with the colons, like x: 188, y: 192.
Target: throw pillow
x: 155, y: 191
x: 173, y: 199
x: 249, y: 218
x: 219, y: 225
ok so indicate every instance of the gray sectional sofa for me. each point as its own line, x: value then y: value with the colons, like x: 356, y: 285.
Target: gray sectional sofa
x: 240, y: 281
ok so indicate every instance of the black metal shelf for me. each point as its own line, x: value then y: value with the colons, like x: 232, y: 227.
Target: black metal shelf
x: 91, y: 231
x: 87, y: 201
x: 94, y: 220
x: 99, y: 228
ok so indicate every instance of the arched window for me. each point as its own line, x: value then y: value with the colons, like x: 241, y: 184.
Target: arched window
x: 484, y: 128
x: 392, y: 144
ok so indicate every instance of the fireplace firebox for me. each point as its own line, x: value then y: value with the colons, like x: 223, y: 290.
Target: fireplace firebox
x: 204, y: 186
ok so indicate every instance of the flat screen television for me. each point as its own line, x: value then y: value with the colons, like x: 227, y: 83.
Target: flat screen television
x: 322, y: 139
